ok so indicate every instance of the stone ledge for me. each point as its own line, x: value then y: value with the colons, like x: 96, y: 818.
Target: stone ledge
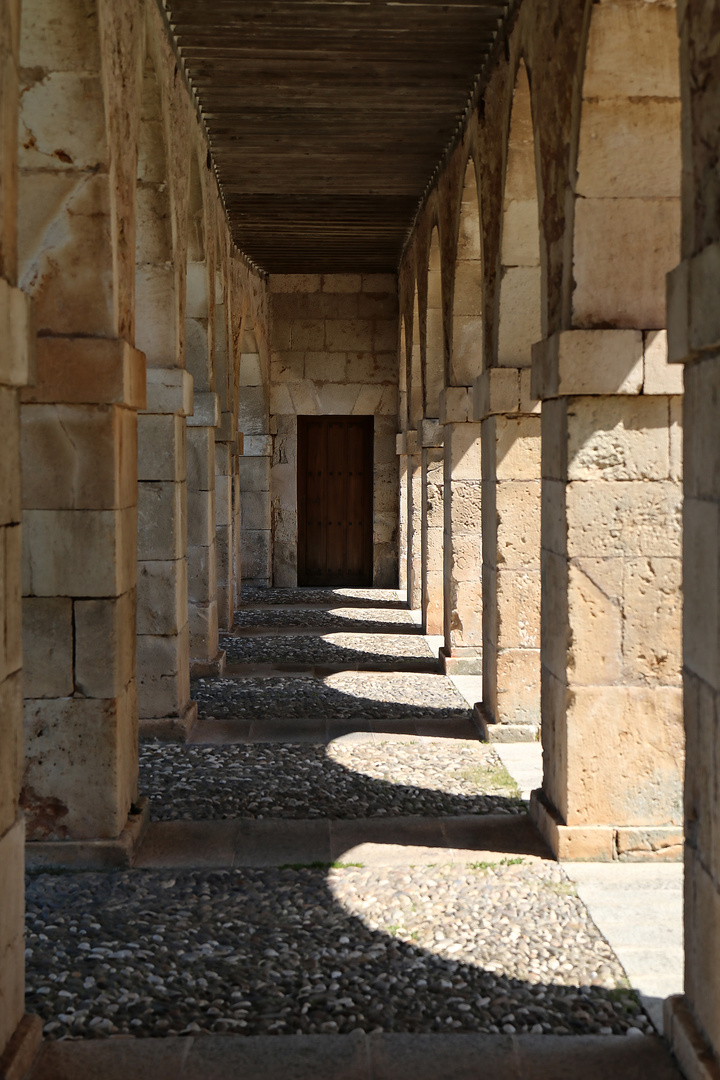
x: 169, y: 728
x: 114, y: 854
x: 687, y: 1042
x: 604, y: 843
x: 465, y: 662
x: 21, y: 1051
x: 493, y: 732
x: 88, y: 371
x: 430, y: 433
x: 201, y: 669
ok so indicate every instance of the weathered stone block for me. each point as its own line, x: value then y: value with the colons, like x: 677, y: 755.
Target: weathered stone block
x: 11, y: 759
x: 105, y: 649
x: 206, y: 410
x: 455, y: 405
x: 255, y: 510
x: 12, y: 928
x: 202, y: 574
x: 10, y: 500
x: 200, y: 459
x: 200, y: 518
x: 161, y: 447
x: 162, y: 521
x: 79, y: 552
x: 164, y: 673
x: 47, y: 638
x: 517, y: 447
x: 162, y: 596
x: 463, y: 452
x: 623, y: 518
x: 660, y: 377
x: 618, y: 438
x: 169, y: 390
x: 497, y: 390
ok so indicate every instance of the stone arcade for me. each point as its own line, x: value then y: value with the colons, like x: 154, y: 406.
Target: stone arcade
x: 494, y: 229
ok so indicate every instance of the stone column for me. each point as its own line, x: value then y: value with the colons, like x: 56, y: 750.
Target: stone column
x: 611, y: 537
x: 254, y: 481
x: 225, y: 453
x: 80, y: 496
x: 694, y: 340
x: 16, y: 369
x: 206, y: 657
x: 400, y: 449
x: 414, y: 544
x: 164, y: 703
x: 511, y: 553
x: 430, y: 436
x: 462, y: 652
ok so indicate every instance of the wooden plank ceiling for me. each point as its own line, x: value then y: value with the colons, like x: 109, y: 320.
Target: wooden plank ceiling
x: 327, y: 117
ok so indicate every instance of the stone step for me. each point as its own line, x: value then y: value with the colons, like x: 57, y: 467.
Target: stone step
x: 359, y: 1057
x: 384, y: 841
x: 219, y: 731
x: 410, y: 664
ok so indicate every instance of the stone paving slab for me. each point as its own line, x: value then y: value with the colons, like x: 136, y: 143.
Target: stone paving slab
x: 346, y: 779
x: 376, y: 696
x: 359, y: 1057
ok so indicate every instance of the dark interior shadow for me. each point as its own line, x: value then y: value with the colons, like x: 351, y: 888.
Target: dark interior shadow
x: 254, y: 596
x: 312, y: 650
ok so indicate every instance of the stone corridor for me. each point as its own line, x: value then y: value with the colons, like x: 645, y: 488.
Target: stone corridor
x: 332, y: 853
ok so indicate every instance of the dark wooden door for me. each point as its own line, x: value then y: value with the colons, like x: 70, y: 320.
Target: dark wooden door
x: 335, y: 500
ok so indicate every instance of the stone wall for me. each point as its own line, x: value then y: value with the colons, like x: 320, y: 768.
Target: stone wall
x: 334, y: 350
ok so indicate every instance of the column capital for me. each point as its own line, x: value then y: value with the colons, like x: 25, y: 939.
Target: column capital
x: 169, y: 391
x: 430, y: 433
x: 88, y: 371
x: 576, y: 363
x: 456, y: 405
x: 499, y: 391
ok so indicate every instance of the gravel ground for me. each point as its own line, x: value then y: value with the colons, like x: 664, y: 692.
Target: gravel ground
x: 251, y: 595
x: 472, y: 948
x: 372, y: 649
x: 340, y: 781
x: 342, y: 619
x: 346, y: 694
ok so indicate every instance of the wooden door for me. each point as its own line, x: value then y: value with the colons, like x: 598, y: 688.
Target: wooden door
x: 335, y: 500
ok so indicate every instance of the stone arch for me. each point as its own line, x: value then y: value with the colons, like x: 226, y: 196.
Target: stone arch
x: 198, y: 359
x: 434, y: 333
x: 155, y: 300
x: 519, y: 320
x: 466, y: 354
x: 415, y: 371
x: 627, y: 207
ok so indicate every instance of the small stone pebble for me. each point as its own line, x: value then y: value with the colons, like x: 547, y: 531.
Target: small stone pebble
x: 456, y: 947
x: 438, y: 777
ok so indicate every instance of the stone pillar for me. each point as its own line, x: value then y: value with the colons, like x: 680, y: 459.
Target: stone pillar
x: 164, y: 703
x: 206, y: 657
x: 462, y: 652
x: 414, y: 543
x: 225, y: 454
x: 511, y: 553
x: 694, y: 339
x: 80, y: 495
x: 430, y: 436
x: 254, y: 481
x: 16, y: 370
x: 611, y: 608
x: 400, y: 449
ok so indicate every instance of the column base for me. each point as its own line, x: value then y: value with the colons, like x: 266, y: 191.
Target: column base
x: 493, y: 732
x: 687, y: 1042
x: 115, y: 854
x: 20, y: 1052
x: 460, y: 661
x: 169, y: 728
x: 604, y: 843
x: 202, y: 669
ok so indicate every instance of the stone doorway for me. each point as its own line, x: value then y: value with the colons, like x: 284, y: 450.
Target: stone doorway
x: 335, y: 500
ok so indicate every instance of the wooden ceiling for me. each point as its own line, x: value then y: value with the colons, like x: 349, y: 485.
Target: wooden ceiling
x: 327, y: 118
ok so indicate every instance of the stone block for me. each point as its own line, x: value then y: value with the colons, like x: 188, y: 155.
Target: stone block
x: 258, y: 446
x: 203, y: 626
x: 202, y: 574
x: 256, y: 548
x: 255, y: 510
x: 704, y: 320
x: 618, y: 438
x: 11, y: 617
x: 701, y: 588
x: 225, y: 430
x: 11, y: 740
x: 250, y: 370
x: 206, y: 410
x: 105, y: 632
x: 169, y: 390
x: 196, y: 290
x: 629, y: 149
x: 47, y: 639
x: 200, y: 518
x: 463, y: 452
x: 295, y: 283
x: 79, y: 552
x: 162, y: 596
x: 155, y: 326
x: 517, y: 524
x: 497, y: 390
x: 518, y: 604
x: 80, y: 766
x: 623, y: 518
x: 18, y: 364
x: 518, y: 687
x: 162, y: 521
x: 430, y: 433
x: 254, y: 473
x: 88, y: 371
x: 652, y: 643
x: 554, y: 458
x: 519, y: 322
x: 331, y: 367
x: 554, y: 524
x: 677, y: 301
x: 341, y: 283
x: 355, y: 335
x: 555, y: 632
x: 517, y: 447
x: 528, y: 403
x: 632, y: 53
x: 12, y: 929
x: 79, y: 457
x: 200, y: 459
x: 660, y: 377
x: 465, y: 506
x: 336, y: 398
x: 253, y: 409
x: 588, y: 362
x: 596, y: 614
x: 161, y: 447
x: 455, y: 405
x: 223, y: 500
x: 164, y: 674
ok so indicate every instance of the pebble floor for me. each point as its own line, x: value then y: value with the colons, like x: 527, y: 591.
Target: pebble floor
x: 499, y: 945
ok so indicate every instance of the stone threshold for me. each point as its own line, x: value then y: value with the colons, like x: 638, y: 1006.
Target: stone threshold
x: 604, y: 843
x: 21, y: 1051
x: 226, y: 731
x: 491, y: 731
x: 687, y: 1042
x: 114, y: 854
x: 169, y: 728
x: 383, y: 841
x: 358, y: 1056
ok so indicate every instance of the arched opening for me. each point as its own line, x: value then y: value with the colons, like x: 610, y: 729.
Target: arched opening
x: 511, y: 463
x: 466, y: 354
